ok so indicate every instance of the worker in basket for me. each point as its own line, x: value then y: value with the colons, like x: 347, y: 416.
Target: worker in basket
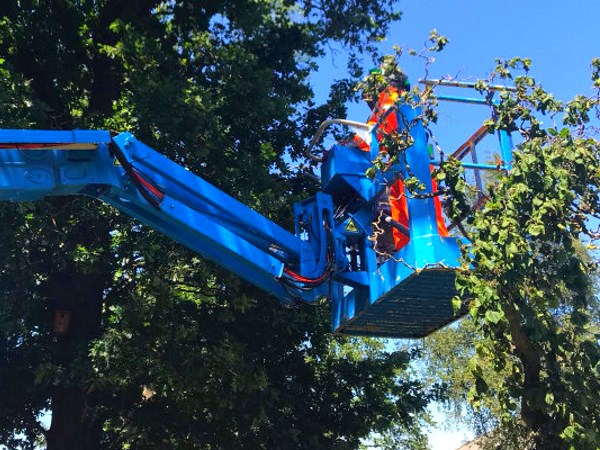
x: 387, y: 94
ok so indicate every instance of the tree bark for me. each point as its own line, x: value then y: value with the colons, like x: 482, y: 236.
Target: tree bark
x: 74, y: 425
x: 531, y: 359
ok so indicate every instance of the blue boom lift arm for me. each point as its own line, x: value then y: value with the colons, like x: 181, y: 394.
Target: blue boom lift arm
x: 330, y: 254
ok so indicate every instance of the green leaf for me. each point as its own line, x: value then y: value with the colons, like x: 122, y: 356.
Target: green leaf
x: 494, y: 316
x: 569, y: 432
x: 536, y: 230
x: 512, y: 249
x: 456, y: 304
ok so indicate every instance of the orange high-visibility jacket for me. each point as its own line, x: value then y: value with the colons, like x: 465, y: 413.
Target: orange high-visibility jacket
x: 397, y: 197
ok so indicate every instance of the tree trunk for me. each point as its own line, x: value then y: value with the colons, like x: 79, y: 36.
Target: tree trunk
x: 536, y: 418
x: 73, y: 428
x: 74, y: 423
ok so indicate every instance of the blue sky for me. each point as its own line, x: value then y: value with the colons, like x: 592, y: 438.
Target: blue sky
x: 561, y: 38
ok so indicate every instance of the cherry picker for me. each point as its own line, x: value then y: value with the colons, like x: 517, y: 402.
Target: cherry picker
x: 331, y: 253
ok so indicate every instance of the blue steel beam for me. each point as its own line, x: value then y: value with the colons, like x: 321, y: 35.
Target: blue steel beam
x: 473, y: 166
x: 454, y: 98
x: 202, y: 196
x: 201, y: 234
x: 169, y: 176
x: 506, y: 146
x: 33, y: 174
x: 54, y: 136
x: 27, y: 175
x: 466, y: 84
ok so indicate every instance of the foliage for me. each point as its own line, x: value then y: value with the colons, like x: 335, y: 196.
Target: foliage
x: 165, y: 350
x: 529, y: 287
x: 527, y: 284
x: 446, y: 359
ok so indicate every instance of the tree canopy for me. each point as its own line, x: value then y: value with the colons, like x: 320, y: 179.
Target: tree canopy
x: 164, y: 350
x: 531, y: 283
x: 528, y: 357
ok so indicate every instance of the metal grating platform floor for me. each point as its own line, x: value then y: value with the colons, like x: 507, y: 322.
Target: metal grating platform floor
x: 417, y: 307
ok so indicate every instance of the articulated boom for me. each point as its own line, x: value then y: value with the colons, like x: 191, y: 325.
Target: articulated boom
x: 332, y: 253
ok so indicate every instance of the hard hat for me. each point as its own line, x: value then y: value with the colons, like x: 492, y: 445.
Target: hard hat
x: 399, y: 80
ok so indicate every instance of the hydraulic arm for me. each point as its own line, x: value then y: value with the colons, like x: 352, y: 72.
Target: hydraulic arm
x: 331, y: 254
